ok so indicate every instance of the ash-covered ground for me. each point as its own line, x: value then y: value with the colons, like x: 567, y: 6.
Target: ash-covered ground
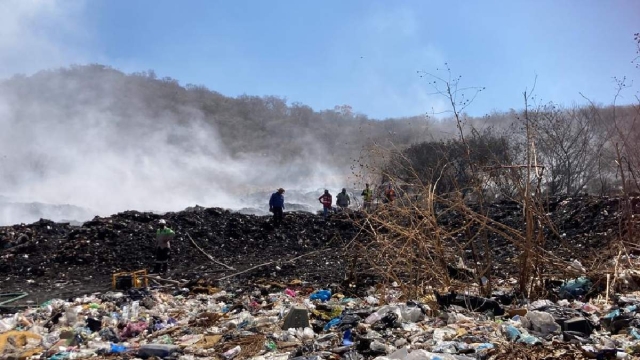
x: 49, y: 259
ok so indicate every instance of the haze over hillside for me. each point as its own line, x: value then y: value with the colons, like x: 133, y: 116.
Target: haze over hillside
x: 94, y: 137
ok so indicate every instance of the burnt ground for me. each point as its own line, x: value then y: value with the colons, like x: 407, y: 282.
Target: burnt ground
x: 50, y: 259
x: 60, y: 260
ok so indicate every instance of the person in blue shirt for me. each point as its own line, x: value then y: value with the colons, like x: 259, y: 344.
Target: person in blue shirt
x: 276, y: 206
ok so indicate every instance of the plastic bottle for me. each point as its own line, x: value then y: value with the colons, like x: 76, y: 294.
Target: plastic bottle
x: 267, y: 320
x: 372, y: 300
x: 135, y: 310
x: 270, y: 345
x: 529, y: 339
x: 484, y: 346
x: 230, y: 354
x: 511, y: 332
x: 125, y: 314
x: 612, y: 314
x: 72, y: 316
x: 373, y: 318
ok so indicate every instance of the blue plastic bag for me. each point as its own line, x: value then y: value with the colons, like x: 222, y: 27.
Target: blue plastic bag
x: 117, y: 349
x: 347, y: 339
x: 332, y: 323
x: 575, y: 288
x: 322, y: 295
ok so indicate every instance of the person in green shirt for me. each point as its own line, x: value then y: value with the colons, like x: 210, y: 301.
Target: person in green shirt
x: 367, y: 196
x: 164, y: 235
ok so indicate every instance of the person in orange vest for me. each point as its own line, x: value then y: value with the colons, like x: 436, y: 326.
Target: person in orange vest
x: 390, y: 194
x: 326, y: 200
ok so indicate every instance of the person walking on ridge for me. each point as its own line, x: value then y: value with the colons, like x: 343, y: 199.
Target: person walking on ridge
x: 367, y: 196
x: 343, y: 200
x: 164, y: 235
x: 326, y: 200
x: 276, y: 206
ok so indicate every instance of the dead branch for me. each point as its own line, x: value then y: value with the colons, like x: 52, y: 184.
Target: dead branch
x: 207, y: 255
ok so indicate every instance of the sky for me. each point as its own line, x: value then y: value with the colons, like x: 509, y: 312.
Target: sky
x: 360, y: 52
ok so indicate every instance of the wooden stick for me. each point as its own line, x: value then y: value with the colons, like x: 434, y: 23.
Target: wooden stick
x: 272, y: 262
x: 161, y: 279
x: 207, y: 255
x: 607, y: 293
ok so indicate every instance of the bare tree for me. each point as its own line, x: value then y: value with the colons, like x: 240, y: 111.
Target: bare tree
x: 570, y: 142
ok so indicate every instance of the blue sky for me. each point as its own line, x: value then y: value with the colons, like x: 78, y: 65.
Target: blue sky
x: 324, y: 53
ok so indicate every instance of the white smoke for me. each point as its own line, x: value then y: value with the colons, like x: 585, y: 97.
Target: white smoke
x: 104, y: 162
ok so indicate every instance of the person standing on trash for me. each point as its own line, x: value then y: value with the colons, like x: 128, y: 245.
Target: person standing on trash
x: 326, y: 200
x: 276, y: 206
x: 389, y: 195
x: 164, y: 235
x: 343, y: 200
x: 367, y: 196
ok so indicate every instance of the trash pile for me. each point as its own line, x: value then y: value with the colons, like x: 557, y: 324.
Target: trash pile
x: 125, y: 241
x: 42, y: 256
x: 284, y: 294
x: 264, y: 321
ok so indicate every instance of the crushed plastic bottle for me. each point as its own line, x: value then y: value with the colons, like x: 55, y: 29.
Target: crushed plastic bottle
x: 72, y: 316
x: 377, y: 346
x: 373, y: 318
x: 124, y: 316
x: 135, y: 311
x: 231, y: 353
x: 399, y: 354
x: 529, y: 339
x: 511, y: 332
x: 612, y: 314
x: 372, y: 300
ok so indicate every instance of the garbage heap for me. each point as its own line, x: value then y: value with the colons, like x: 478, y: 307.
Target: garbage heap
x: 47, y: 253
x: 258, y: 321
x: 125, y: 241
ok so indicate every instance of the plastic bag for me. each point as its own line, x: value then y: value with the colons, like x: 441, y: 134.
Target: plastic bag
x: 322, y: 295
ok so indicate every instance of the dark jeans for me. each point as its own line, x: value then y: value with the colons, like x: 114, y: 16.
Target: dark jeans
x: 277, y: 216
x: 162, y: 260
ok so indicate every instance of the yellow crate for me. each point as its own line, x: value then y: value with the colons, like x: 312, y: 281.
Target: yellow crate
x: 138, y: 278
